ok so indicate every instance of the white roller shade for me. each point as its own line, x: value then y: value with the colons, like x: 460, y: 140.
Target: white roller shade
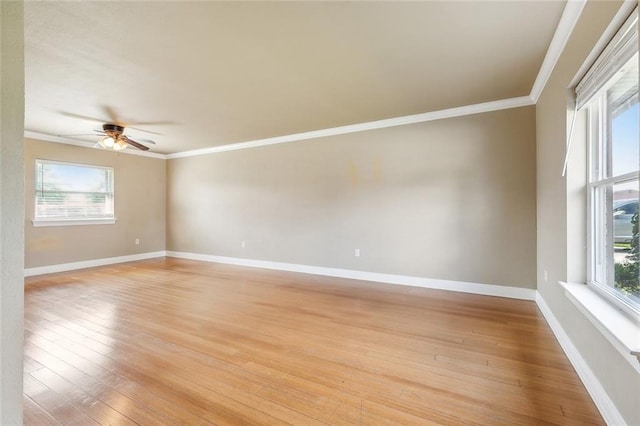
x: 618, y: 52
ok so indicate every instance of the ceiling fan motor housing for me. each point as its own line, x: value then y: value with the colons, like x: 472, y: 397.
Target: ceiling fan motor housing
x: 112, y: 128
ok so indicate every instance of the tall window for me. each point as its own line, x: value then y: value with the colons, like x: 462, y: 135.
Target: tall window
x: 68, y: 191
x: 609, y: 91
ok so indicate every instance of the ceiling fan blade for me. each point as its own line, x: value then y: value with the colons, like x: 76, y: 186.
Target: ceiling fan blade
x: 82, y: 134
x: 113, y: 115
x: 135, y: 144
x: 81, y: 117
x: 152, y: 123
x: 114, y: 118
x: 145, y: 140
x: 146, y: 131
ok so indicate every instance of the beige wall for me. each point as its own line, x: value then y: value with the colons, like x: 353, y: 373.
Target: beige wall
x: 140, y: 208
x: 11, y: 211
x: 451, y: 199
x: 561, y: 227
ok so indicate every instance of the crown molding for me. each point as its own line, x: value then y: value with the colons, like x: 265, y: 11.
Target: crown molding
x: 568, y: 21
x: 333, y: 131
x: 57, y: 139
x: 361, y: 127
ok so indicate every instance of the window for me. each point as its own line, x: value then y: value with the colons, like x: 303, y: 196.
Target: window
x: 609, y: 92
x: 68, y: 193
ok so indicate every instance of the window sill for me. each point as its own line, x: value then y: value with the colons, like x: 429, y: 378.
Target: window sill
x: 72, y: 222
x: 618, y: 328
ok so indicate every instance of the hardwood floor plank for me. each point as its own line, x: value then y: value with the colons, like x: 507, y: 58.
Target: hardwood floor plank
x: 30, y: 365
x: 170, y: 341
x: 97, y: 410
x: 36, y: 415
x: 54, y: 404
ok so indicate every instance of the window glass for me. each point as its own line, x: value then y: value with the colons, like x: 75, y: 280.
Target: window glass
x: 625, y: 230
x: 73, y: 191
x: 624, y: 137
x: 624, y: 208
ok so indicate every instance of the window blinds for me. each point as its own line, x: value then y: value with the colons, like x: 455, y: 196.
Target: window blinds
x: 615, y: 56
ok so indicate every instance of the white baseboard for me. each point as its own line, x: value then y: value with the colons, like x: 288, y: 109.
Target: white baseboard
x: 461, y: 286
x: 606, y: 407
x: 28, y: 272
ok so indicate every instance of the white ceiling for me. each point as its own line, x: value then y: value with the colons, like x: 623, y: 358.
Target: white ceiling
x: 218, y: 73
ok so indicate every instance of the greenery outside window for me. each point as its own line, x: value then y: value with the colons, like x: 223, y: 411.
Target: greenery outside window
x: 70, y: 193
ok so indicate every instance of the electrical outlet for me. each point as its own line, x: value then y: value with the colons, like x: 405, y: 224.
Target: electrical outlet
x: 243, y: 244
x: 137, y: 241
x: 357, y: 252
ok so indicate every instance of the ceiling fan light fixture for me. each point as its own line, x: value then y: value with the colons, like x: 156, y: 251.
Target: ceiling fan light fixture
x: 107, y: 142
x: 120, y: 145
x: 114, y: 143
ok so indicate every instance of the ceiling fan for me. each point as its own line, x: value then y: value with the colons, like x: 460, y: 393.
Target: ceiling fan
x: 112, y: 133
x: 115, y: 139
x: 112, y: 137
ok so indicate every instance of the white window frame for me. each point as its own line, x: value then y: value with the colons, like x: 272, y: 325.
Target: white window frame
x: 591, y: 92
x: 39, y: 221
x: 600, y: 204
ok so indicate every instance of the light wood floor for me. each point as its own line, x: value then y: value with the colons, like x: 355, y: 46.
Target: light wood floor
x: 170, y: 341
